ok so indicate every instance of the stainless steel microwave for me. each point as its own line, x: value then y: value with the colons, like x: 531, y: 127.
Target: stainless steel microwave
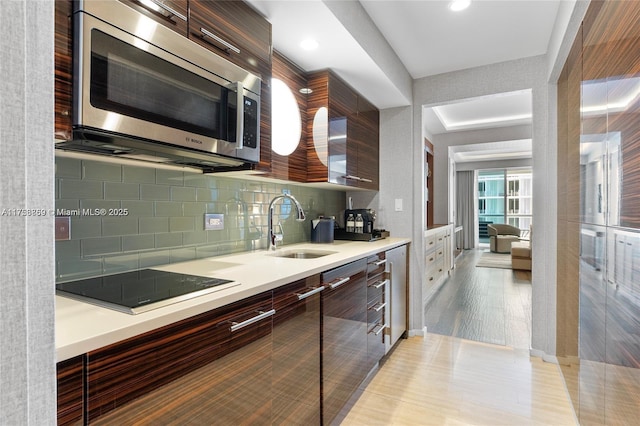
x: 143, y: 91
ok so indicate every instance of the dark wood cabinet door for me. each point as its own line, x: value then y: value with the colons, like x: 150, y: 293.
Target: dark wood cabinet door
x: 170, y: 13
x: 291, y: 167
x: 296, y: 353
x: 233, y: 30
x: 344, y: 336
x: 352, y: 150
x: 63, y: 62
x: 367, y: 142
x: 199, y: 370
x: 70, y: 380
x: 343, y: 114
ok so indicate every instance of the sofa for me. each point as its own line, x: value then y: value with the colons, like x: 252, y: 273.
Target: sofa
x: 521, y: 254
x: 501, y: 236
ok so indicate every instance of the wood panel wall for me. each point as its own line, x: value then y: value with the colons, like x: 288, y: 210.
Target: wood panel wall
x: 604, y: 53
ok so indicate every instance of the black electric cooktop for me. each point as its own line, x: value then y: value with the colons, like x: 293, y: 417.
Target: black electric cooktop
x: 140, y: 291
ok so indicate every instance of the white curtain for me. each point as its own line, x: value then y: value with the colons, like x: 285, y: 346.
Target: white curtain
x: 466, y: 207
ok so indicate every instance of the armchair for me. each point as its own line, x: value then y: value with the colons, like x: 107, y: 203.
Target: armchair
x: 501, y: 236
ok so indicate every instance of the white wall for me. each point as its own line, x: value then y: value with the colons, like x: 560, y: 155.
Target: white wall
x: 27, y: 349
x: 526, y: 73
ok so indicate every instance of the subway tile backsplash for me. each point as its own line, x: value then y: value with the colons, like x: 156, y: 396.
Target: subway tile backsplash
x: 164, y: 220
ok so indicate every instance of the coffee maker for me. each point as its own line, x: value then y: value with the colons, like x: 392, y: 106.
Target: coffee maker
x: 368, y: 218
x: 368, y: 232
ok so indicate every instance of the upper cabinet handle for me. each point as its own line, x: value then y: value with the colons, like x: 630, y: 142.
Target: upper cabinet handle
x: 225, y: 43
x: 366, y: 180
x: 172, y: 11
x: 310, y: 293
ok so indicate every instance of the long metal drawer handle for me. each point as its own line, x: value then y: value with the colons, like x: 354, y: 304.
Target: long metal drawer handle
x: 366, y: 180
x: 339, y: 283
x: 166, y: 8
x: 310, y: 293
x: 381, y: 262
x: 238, y: 325
x: 380, y: 284
x: 378, y: 308
x: 381, y: 329
x: 219, y: 40
x: 351, y: 177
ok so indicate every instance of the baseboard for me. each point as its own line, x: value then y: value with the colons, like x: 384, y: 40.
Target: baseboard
x: 420, y: 332
x: 569, y: 360
x: 552, y: 359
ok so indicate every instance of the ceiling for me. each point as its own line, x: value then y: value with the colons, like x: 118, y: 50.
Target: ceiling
x: 429, y: 39
x: 499, y: 110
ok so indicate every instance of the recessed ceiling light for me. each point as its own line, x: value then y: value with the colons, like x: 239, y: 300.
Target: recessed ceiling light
x: 305, y: 91
x: 309, y: 44
x: 458, y: 5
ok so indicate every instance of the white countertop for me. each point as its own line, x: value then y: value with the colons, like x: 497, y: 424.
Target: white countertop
x: 83, y: 327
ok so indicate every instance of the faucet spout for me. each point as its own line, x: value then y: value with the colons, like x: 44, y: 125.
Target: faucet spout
x: 300, y: 217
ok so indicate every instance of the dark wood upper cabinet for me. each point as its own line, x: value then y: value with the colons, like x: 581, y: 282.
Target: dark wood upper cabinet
x: 348, y: 155
x: 63, y: 69
x: 291, y: 167
x: 367, y: 145
x: 172, y: 14
x: 233, y: 30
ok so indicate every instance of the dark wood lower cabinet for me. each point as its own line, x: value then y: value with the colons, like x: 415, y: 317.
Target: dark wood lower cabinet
x: 377, y: 310
x: 291, y: 356
x: 344, y: 336
x: 70, y: 376
x: 196, y: 371
x: 296, y: 353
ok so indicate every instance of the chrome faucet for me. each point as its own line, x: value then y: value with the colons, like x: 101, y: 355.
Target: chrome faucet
x: 273, y: 237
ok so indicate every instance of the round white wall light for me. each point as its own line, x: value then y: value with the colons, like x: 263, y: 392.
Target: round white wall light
x: 286, y: 124
x: 321, y: 134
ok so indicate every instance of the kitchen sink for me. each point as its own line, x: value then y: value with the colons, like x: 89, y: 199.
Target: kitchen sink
x: 302, y: 254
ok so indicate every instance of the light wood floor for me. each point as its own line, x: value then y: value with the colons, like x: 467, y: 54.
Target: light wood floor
x: 488, y: 305
x: 442, y: 380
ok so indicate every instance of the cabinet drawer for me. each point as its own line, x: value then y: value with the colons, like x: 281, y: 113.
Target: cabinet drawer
x: 430, y: 242
x: 170, y: 13
x: 376, y: 265
x: 127, y: 370
x: 376, y: 288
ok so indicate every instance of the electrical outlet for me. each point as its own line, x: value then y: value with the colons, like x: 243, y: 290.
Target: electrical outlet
x: 213, y: 221
x: 63, y: 228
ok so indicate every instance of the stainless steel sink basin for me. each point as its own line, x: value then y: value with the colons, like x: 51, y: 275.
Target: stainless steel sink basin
x: 302, y: 254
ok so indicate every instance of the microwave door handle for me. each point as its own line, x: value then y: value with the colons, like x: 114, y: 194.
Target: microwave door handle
x: 240, y: 116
